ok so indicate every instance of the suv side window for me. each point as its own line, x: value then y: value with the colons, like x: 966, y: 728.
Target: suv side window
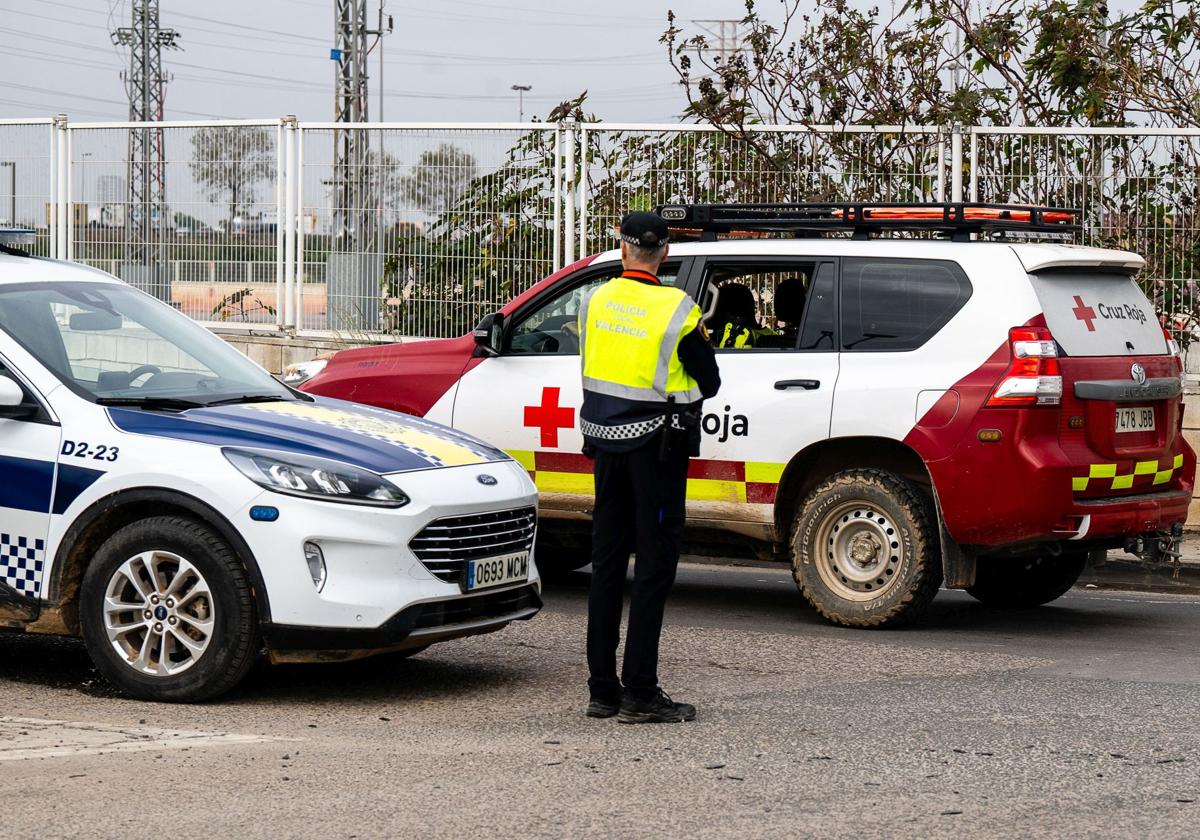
x: 551, y: 328
x: 896, y: 304
x: 770, y: 304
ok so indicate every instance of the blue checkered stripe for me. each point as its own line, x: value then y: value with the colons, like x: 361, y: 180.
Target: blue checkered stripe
x: 21, y: 563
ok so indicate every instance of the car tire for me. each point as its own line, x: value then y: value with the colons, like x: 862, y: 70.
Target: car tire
x: 865, y: 550
x: 189, y: 631
x: 1026, y: 581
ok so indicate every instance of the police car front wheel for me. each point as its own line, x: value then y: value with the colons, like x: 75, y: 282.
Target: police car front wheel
x: 865, y: 551
x: 167, y: 612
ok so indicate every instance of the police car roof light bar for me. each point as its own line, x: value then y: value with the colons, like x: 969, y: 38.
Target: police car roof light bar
x: 958, y: 220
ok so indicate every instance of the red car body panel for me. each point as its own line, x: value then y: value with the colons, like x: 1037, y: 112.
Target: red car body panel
x: 412, y: 376
x: 1019, y: 490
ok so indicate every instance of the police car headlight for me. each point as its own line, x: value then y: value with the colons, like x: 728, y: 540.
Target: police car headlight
x: 303, y: 371
x: 316, y: 478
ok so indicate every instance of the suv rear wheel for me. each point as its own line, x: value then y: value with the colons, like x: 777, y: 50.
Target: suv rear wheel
x: 1026, y: 581
x: 865, y: 551
x: 167, y: 612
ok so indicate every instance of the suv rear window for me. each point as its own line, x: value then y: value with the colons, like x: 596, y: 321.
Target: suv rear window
x: 898, y: 304
x: 1092, y: 313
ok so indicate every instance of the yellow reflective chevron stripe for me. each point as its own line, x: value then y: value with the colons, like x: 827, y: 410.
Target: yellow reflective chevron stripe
x: 764, y: 473
x: 739, y: 482
x: 1116, y: 481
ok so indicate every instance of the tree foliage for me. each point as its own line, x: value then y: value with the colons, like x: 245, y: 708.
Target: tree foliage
x: 231, y: 162
x: 439, y: 178
x: 1018, y: 62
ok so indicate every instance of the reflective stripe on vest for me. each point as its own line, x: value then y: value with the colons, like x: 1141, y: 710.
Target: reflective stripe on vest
x: 626, y: 431
x: 740, y: 338
x: 629, y: 334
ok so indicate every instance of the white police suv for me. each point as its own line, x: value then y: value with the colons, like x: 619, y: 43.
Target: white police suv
x: 171, y: 502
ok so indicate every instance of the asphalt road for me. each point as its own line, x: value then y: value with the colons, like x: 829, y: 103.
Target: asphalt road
x: 1081, y: 720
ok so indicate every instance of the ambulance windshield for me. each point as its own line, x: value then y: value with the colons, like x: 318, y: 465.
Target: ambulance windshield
x: 114, y: 345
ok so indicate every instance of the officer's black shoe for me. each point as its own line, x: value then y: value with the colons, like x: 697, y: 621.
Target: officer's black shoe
x: 601, y: 708
x: 659, y: 709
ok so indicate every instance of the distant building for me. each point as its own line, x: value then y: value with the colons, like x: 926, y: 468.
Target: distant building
x: 112, y: 189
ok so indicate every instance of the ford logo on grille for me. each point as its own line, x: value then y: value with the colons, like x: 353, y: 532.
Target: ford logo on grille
x: 486, y: 480
x: 1138, y: 373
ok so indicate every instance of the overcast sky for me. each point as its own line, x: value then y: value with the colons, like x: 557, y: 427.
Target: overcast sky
x: 448, y: 60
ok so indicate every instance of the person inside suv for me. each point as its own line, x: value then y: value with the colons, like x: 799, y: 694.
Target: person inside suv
x: 734, y: 325
x: 789, y: 308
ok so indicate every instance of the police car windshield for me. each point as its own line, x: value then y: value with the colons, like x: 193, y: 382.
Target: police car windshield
x: 117, y: 346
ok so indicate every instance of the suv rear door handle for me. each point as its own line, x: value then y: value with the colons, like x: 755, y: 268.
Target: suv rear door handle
x: 806, y: 384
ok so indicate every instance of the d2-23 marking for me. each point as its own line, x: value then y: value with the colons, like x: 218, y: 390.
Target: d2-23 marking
x: 83, y: 449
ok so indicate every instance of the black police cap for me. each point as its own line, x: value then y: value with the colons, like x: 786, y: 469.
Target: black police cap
x: 645, y: 229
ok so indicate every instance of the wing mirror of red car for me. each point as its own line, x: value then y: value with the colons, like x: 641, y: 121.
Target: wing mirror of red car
x: 489, y: 335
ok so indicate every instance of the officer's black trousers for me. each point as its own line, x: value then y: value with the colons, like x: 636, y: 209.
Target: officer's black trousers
x: 639, y: 508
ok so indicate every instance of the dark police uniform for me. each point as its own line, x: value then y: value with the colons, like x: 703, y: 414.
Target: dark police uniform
x: 647, y: 366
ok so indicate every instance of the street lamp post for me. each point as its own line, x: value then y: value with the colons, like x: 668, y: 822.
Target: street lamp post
x: 521, y: 90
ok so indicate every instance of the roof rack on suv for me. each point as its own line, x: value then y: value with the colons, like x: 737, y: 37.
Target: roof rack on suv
x: 956, y: 220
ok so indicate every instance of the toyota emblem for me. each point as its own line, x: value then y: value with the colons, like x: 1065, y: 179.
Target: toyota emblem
x: 489, y: 480
x: 1138, y: 373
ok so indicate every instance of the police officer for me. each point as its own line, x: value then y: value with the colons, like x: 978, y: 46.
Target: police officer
x: 647, y: 365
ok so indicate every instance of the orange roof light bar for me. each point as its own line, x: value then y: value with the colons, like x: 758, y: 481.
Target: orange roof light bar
x: 958, y: 221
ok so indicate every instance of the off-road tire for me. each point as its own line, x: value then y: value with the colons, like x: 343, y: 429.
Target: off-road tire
x: 235, y: 639
x: 1026, y: 581
x: 910, y: 572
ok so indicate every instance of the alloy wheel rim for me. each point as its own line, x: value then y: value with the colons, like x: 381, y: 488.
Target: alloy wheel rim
x: 859, y: 551
x: 159, y: 613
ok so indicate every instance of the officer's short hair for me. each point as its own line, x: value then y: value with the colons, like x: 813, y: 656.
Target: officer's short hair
x: 644, y: 253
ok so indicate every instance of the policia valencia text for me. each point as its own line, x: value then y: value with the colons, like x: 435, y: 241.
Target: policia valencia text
x: 647, y: 367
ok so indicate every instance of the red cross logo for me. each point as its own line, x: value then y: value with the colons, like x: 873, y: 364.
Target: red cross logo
x: 1085, y: 313
x: 549, y: 417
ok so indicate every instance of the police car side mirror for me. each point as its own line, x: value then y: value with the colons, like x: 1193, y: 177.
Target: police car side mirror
x: 13, y: 405
x: 489, y: 335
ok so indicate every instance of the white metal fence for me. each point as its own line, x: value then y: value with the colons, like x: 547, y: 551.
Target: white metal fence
x: 419, y: 229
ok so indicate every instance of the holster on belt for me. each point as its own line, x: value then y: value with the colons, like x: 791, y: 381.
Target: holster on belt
x: 668, y: 423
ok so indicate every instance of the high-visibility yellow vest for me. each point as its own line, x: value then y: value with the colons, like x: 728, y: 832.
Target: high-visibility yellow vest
x: 737, y: 337
x: 629, y: 334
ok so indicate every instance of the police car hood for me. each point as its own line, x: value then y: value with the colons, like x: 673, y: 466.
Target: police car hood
x: 371, y: 438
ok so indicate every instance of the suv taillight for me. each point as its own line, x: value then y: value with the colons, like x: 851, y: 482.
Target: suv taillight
x: 1033, y: 377
x: 1172, y: 344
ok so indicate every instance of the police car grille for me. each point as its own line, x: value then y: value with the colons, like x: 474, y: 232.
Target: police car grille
x: 445, y: 545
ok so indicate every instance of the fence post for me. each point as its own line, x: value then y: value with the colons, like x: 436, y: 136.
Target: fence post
x: 279, y: 215
x: 974, y: 163
x: 569, y: 194
x: 298, y: 227
x: 941, y: 164
x: 69, y: 197
x: 956, y: 161
x: 558, y: 197
x: 583, y: 189
x: 62, y: 173
x: 288, y: 222
x: 52, y: 204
